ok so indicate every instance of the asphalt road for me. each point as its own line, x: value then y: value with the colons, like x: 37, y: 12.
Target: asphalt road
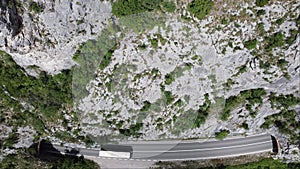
x: 192, y: 150
x: 204, y: 150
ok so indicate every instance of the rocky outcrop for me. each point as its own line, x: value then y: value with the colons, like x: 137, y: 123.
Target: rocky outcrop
x: 9, y: 16
x: 47, y: 33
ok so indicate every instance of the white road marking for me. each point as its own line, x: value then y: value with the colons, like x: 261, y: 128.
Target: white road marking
x: 207, y: 149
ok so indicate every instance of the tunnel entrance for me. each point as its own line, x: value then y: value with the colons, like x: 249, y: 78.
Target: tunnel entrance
x: 275, y: 144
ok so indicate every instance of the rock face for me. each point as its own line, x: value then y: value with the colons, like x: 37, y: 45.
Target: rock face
x: 47, y: 33
x: 10, y: 17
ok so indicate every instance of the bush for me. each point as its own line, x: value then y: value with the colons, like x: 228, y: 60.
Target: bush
x: 251, y: 97
x: 202, y: 112
x: 286, y: 123
x: 35, y: 7
x: 169, y: 6
x: 221, y: 134
x: 146, y: 106
x: 47, y: 94
x: 224, y: 21
x: 200, y: 8
x: 129, y: 7
x: 169, y: 78
x: 261, y: 3
x: 260, y: 12
x: 250, y: 44
x: 275, y: 40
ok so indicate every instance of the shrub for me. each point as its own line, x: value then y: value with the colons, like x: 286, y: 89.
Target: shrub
x: 202, y: 112
x: 250, y: 44
x: 224, y: 21
x: 146, y: 106
x: 169, y: 6
x: 261, y: 3
x: 275, y: 40
x: 200, y: 8
x: 169, y: 78
x: 260, y: 12
x: 35, y: 7
x: 221, y: 134
x: 47, y: 94
x: 129, y: 7
x: 280, y: 21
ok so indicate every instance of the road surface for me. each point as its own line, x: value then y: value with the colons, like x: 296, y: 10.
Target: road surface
x: 192, y: 150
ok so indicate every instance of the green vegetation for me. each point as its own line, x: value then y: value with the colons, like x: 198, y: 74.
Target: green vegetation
x: 185, y: 121
x: 267, y: 163
x: 283, y: 101
x: 279, y: 21
x: 200, y: 8
x: 75, y: 163
x: 285, y: 120
x: 245, y: 125
x: 169, y: 97
x: 275, y: 40
x: 128, y: 7
x: 229, y: 83
x: 134, y: 130
x: 47, y: 94
x: 157, y: 38
x: 286, y: 123
x: 154, y: 42
x: 282, y: 64
x: 142, y: 21
x: 146, y: 106
x: 221, y: 134
x: 35, y: 7
x: 90, y: 56
x: 241, y: 69
x: 293, y: 36
x: 202, y: 112
x: 169, y: 78
x: 261, y: 3
x: 176, y: 73
x: 224, y: 21
x: 26, y: 159
x: 260, y: 12
x: 169, y: 6
x: 249, y: 98
x: 250, y: 44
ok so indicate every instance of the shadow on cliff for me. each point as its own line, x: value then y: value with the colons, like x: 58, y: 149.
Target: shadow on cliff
x: 46, y: 151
